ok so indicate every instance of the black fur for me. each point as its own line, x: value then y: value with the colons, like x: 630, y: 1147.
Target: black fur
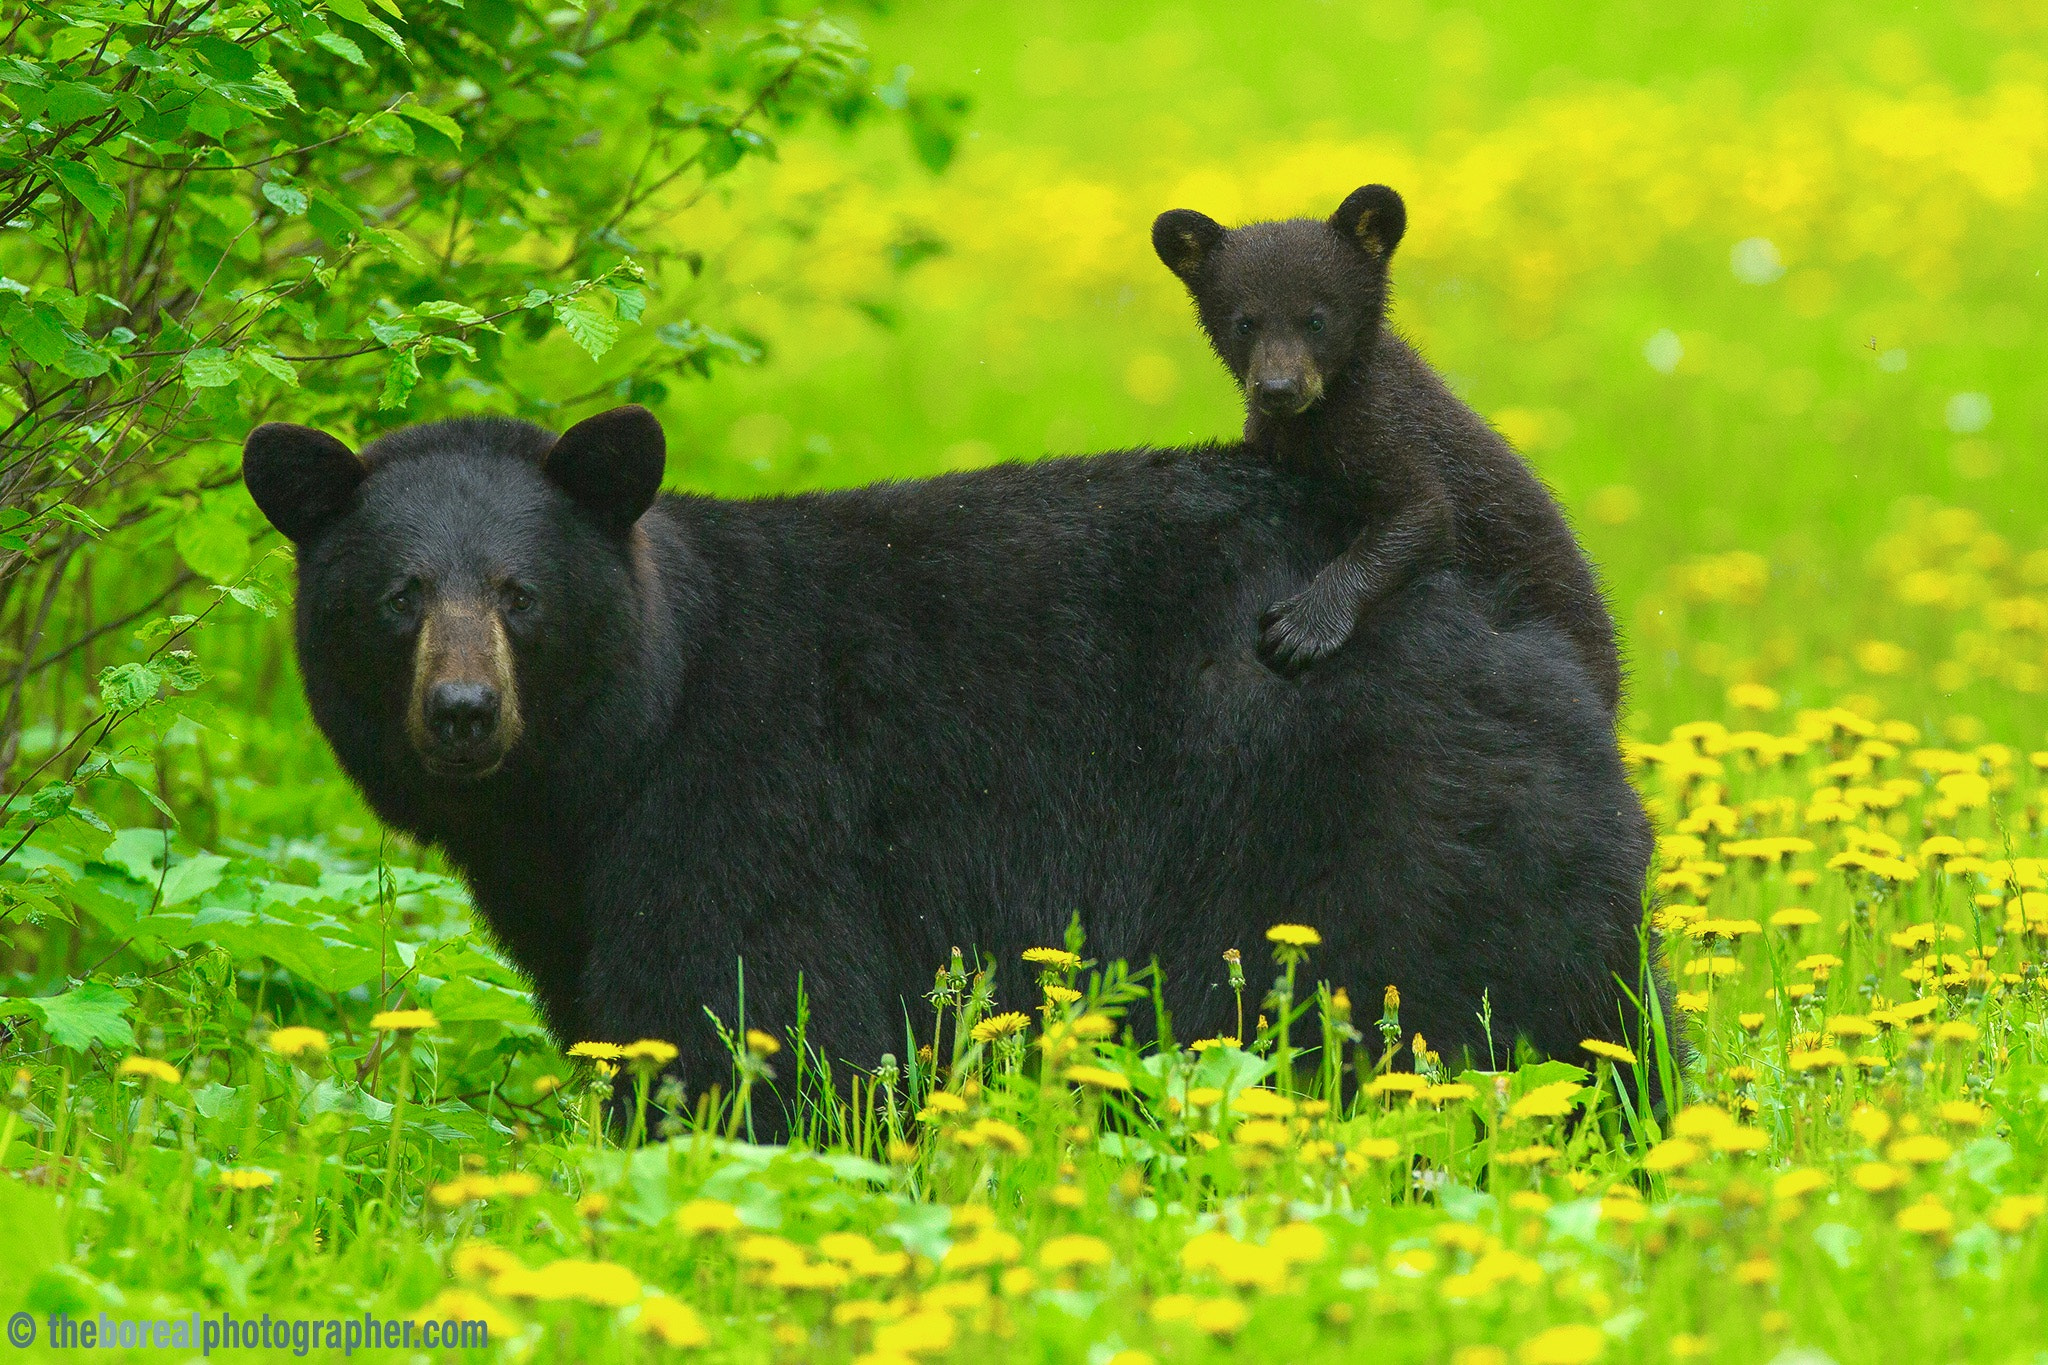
x: 1295, y: 309
x: 838, y: 734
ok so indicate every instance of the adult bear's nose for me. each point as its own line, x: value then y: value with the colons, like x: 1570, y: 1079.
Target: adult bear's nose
x: 462, y: 714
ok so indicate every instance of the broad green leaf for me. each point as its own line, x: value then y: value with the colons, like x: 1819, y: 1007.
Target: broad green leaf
x: 289, y: 199
x: 343, y: 47
x: 210, y: 367
x: 587, y: 326
x: 401, y: 373
x: 84, y: 184
x: 460, y: 313
x: 192, y: 878
x: 125, y: 687
x: 356, y: 12
x: 212, y: 544
x: 92, y: 1013
x: 271, y: 364
x: 435, y: 119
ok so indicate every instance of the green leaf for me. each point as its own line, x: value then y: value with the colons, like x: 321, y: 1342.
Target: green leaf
x: 458, y: 313
x: 435, y: 119
x: 588, y: 327
x: 81, y: 363
x: 345, y: 48
x: 209, y: 367
x: 332, y: 219
x: 82, y: 183
x: 212, y: 544
x: 356, y: 12
x: 390, y: 132
x: 127, y: 687
x: 36, y: 329
x: 70, y: 101
x: 47, y: 804
x: 271, y: 364
x: 192, y: 878
x: 289, y: 200
x: 630, y: 299
x: 21, y: 71
x: 92, y: 1013
x: 400, y: 377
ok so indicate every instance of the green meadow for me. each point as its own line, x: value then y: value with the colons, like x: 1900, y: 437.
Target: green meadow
x: 1759, y: 292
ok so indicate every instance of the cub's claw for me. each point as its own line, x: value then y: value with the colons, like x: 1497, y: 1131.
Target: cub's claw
x: 1299, y: 633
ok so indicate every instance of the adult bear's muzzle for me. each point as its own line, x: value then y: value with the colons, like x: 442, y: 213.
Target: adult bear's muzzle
x: 464, y: 713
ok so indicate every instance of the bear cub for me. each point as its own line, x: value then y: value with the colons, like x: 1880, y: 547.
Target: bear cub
x: 1296, y: 310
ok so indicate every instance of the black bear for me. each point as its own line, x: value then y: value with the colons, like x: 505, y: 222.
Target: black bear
x: 1296, y: 310
x: 836, y: 735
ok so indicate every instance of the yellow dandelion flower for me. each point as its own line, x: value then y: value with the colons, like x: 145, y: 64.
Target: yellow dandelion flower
x: 1061, y: 995
x: 403, y: 1021
x: 151, y: 1068
x: 1870, y: 1123
x: 1817, y: 1059
x: 1700, y: 1121
x: 1397, y: 1083
x: 1613, y: 1052
x: 1956, y: 1031
x: 819, y: 1275
x: 1757, y: 1270
x: 1058, y: 959
x: 246, y: 1178
x: 1751, y: 696
x: 1202, y: 1096
x: 1798, y: 1183
x: 1739, y: 1138
x: 983, y: 1249
x: 296, y: 1041
x: 768, y: 1250
x: 2015, y: 1213
x: 1552, y: 1101
x: 707, y: 1215
x: 1293, y: 936
x: 956, y: 1296
x: 1534, y: 1154
x: 1963, y: 1114
x: 651, y: 1051
x: 598, y: 1052
x: 1875, y: 1177
x: 1750, y: 1022
x: 1929, y: 1217
x: 1101, y: 1077
x: 1371, y: 1149
x: 1794, y: 917
x: 1446, y: 1093
x: 924, y: 1333
x: 1220, y: 1317
x: 1003, y: 1025
x: 1850, y: 1026
x: 1017, y: 1280
x: 1921, y: 1149
x: 1692, y: 1002
x: 1263, y: 1104
x: 1065, y: 1253
x: 674, y: 1322
x: 1267, y: 1133
x: 1573, y: 1344
x: 481, y: 1260
x: 1173, y: 1307
x: 762, y: 1044
x: 1672, y: 1154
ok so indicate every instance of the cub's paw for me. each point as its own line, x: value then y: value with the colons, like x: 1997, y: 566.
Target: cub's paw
x: 1299, y: 633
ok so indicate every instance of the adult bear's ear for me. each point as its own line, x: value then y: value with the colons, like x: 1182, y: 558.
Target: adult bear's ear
x: 611, y: 464
x: 1184, y: 239
x: 1373, y: 218
x: 301, y: 477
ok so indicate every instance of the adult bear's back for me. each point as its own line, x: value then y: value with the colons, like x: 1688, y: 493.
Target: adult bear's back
x: 953, y: 712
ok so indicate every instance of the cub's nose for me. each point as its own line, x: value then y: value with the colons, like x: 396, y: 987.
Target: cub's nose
x: 461, y: 714
x: 1277, y: 392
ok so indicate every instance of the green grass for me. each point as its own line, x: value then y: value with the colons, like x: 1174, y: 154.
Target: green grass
x: 1808, y: 537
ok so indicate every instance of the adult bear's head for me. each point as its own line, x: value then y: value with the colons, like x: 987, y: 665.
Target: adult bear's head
x: 1288, y: 305
x: 467, y: 588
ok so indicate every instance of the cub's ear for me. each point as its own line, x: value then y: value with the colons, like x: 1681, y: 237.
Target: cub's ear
x: 1184, y: 239
x: 302, y: 478
x: 611, y: 464
x: 1372, y: 217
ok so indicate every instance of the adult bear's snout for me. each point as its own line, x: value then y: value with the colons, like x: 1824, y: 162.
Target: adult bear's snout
x: 465, y: 705
x: 462, y: 715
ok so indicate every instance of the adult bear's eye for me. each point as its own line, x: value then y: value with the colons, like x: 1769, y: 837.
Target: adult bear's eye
x: 402, y: 602
x: 1315, y: 322
x: 1244, y: 327
x: 518, y: 599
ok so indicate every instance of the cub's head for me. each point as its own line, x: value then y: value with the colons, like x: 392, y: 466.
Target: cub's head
x: 464, y: 586
x: 1288, y: 305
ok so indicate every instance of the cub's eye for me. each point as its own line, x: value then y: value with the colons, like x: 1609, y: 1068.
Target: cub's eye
x: 1315, y: 322
x: 402, y: 603
x: 518, y: 599
x: 1244, y: 327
